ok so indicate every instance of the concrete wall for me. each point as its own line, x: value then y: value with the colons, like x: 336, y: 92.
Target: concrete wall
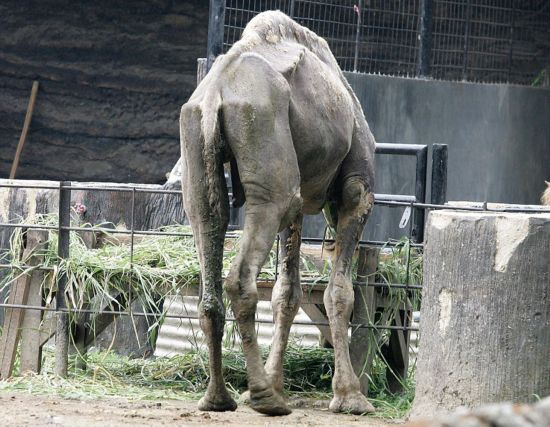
x: 498, y: 137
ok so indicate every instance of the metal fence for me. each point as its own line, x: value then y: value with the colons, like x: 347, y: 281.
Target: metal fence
x: 62, y: 306
x: 486, y: 41
x: 63, y: 228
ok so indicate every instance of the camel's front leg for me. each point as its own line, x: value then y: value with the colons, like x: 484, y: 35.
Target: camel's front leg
x: 285, y: 301
x: 352, y: 215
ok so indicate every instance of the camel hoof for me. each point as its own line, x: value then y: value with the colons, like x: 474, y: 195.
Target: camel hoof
x: 269, y: 403
x: 353, y: 403
x: 217, y: 404
x: 244, y: 398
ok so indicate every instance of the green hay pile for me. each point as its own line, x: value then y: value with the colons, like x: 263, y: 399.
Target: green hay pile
x: 308, y: 373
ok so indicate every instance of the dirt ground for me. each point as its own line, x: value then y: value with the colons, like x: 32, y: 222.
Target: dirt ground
x: 26, y: 410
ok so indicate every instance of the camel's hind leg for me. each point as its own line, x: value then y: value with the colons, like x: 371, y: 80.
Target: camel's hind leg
x: 353, y: 212
x: 258, y: 237
x: 258, y: 132
x: 209, y: 221
x: 285, y: 301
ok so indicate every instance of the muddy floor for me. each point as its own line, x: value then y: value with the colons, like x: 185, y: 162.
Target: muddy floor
x: 27, y: 410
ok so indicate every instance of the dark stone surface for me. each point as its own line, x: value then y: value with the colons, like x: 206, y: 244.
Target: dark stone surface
x: 113, y: 76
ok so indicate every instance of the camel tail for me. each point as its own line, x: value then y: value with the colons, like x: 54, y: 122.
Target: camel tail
x: 212, y: 148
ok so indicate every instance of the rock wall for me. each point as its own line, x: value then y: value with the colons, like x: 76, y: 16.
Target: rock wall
x: 113, y: 76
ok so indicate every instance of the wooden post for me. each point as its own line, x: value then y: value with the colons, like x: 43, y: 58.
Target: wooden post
x: 78, y: 337
x: 201, y: 69
x: 31, y: 349
x: 362, y: 350
x: 397, y: 350
x: 13, y: 319
x: 485, y: 317
x: 25, y: 131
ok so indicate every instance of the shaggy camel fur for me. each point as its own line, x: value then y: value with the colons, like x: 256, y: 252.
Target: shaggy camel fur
x: 278, y: 107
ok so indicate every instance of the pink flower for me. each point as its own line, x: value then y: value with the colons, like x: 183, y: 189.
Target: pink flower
x: 79, y: 208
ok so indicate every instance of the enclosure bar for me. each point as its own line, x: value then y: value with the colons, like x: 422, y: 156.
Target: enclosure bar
x: 26, y: 267
x: 132, y: 235
x: 216, y: 20
x: 90, y: 187
x: 228, y: 236
x: 359, y: 11
x: 408, y: 264
x: 132, y: 231
x: 174, y: 192
x: 128, y: 190
x: 466, y: 38
x: 360, y: 243
x: 399, y: 149
x: 525, y: 209
x: 420, y: 193
x: 277, y: 240
x: 511, y: 42
x: 425, y: 38
x: 185, y: 316
x: 63, y: 240
x: 29, y: 186
x: 439, y: 174
x: 291, y: 11
x: 394, y: 197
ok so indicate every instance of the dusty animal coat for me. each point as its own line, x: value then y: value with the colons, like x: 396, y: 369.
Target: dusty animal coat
x: 279, y: 108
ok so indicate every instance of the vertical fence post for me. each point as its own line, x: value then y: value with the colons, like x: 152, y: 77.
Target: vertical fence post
x: 439, y: 174
x: 215, y: 31
x: 425, y: 39
x: 201, y: 69
x: 291, y: 11
x: 420, y: 193
x: 62, y: 332
x: 357, y: 34
x: 511, y: 41
x: 466, y: 38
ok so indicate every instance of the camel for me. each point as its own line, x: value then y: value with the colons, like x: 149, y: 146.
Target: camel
x: 278, y: 108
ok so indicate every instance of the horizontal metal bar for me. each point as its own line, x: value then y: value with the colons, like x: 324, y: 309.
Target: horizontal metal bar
x: 30, y: 226
x: 158, y: 191
x: 29, y: 186
x: 234, y: 228
x: 307, y: 281
x: 389, y: 285
x: 399, y: 149
x: 125, y: 189
x: 184, y: 316
x: 121, y: 189
x: 361, y: 242
x: 25, y: 267
x: 379, y: 198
